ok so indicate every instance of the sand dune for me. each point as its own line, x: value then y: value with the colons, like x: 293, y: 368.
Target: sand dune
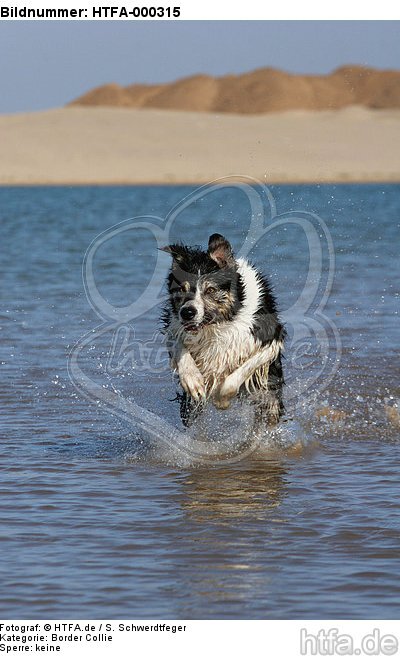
x: 258, y: 92
x: 83, y: 145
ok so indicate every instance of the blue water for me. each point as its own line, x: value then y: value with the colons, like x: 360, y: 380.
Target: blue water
x: 101, y: 518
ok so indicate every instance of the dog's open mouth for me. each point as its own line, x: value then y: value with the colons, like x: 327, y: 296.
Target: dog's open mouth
x: 194, y: 327
x: 191, y: 328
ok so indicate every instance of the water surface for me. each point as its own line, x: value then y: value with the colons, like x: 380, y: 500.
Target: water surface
x: 97, y: 520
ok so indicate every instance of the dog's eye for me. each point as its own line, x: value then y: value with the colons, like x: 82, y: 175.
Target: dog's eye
x: 211, y: 290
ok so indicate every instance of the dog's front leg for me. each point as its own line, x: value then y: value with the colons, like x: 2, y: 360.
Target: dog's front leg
x: 232, y: 383
x: 190, y: 377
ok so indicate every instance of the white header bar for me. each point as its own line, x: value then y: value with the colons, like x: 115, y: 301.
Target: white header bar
x: 134, y: 10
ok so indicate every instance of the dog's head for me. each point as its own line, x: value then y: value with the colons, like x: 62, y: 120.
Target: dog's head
x: 204, y: 286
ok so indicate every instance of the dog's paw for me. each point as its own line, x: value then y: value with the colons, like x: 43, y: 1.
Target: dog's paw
x: 224, y: 395
x: 192, y: 382
x: 221, y: 402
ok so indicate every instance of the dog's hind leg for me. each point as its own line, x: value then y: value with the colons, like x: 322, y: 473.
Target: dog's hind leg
x: 267, y: 411
x: 190, y: 409
x: 268, y: 401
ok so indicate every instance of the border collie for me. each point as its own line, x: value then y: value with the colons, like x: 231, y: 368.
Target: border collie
x: 223, y: 333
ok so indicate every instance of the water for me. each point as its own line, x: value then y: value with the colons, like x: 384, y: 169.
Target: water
x: 100, y: 520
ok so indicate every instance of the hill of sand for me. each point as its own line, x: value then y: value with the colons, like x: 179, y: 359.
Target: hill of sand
x: 258, y: 92
x: 103, y: 145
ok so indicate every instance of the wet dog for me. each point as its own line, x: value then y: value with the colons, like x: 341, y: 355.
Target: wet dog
x: 223, y: 332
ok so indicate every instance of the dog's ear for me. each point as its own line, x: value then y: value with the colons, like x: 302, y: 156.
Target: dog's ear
x: 176, y: 250
x: 220, y: 250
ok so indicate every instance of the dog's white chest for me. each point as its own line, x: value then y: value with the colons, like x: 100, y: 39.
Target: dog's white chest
x: 219, y: 350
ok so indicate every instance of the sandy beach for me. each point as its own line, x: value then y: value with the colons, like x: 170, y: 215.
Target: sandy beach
x: 101, y: 145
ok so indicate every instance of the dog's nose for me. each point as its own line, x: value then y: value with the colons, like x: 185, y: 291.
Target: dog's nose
x: 188, y: 313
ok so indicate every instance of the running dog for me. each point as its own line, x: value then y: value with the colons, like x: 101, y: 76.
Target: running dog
x: 223, y: 333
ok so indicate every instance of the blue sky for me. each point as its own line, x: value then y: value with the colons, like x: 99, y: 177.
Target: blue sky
x: 47, y: 63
